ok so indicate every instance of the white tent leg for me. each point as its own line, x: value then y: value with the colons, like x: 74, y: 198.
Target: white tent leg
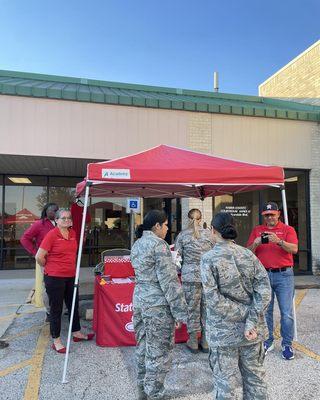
x: 76, y: 280
x: 284, y: 205
x: 132, y: 219
x: 285, y: 215
x: 295, y: 332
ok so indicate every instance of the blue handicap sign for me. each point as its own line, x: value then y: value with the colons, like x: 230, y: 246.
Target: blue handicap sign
x: 133, y: 204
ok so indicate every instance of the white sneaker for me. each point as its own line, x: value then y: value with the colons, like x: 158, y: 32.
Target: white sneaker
x: 268, y: 348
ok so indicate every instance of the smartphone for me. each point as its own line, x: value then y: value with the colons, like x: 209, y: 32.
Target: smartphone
x: 264, y: 238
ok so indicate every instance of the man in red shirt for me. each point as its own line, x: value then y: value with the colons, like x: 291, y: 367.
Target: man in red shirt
x: 31, y: 240
x: 274, y: 243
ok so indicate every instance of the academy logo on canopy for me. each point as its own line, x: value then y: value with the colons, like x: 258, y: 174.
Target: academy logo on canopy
x: 116, y: 173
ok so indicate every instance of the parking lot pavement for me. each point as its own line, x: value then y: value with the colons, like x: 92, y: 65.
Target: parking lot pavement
x: 30, y: 369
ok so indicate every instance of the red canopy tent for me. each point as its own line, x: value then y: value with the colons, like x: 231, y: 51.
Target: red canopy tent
x: 166, y: 171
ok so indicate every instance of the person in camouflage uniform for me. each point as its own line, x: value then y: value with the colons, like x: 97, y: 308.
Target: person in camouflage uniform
x: 192, y: 243
x: 237, y: 291
x: 158, y: 303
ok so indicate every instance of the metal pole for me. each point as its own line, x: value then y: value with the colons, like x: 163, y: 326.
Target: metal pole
x: 131, y: 228
x: 76, y: 280
x: 286, y: 221
x: 295, y: 332
x: 284, y: 205
x: 215, y: 82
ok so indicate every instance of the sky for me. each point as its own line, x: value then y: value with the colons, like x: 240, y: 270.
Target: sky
x: 168, y: 43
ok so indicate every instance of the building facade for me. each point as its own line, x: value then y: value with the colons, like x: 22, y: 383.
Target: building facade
x: 300, y: 78
x: 51, y: 127
x: 299, y: 81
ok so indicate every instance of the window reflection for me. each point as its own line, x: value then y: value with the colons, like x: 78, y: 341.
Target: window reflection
x: 109, y: 227
x: 22, y: 208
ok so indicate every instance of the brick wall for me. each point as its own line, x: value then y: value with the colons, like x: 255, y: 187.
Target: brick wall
x: 199, y: 139
x: 299, y: 78
x: 315, y: 200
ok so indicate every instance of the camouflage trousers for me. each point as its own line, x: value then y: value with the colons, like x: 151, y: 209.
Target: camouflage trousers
x: 154, y: 331
x: 195, y: 299
x: 226, y: 362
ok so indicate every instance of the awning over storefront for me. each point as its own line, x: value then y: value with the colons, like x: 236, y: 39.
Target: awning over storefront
x: 166, y: 171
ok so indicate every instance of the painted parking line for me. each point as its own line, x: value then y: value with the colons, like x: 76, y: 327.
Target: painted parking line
x: 15, y: 315
x: 34, y: 379
x: 303, y: 349
x: 23, y: 333
x: 15, y: 367
x: 298, y: 346
x: 35, y: 362
x: 298, y: 299
x: 300, y: 296
x: 13, y: 305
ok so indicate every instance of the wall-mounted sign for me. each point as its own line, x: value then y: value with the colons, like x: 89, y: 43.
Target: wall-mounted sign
x: 133, y: 204
x: 237, y: 211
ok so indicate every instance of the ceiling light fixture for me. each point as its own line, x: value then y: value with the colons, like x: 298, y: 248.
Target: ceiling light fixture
x: 293, y: 179
x: 19, y: 180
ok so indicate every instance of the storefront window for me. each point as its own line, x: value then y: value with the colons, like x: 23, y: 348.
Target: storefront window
x: 109, y: 228
x: 110, y: 224
x: 172, y: 207
x: 22, y: 207
x: 62, y: 190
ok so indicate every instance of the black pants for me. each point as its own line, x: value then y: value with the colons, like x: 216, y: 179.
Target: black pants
x: 59, y: 289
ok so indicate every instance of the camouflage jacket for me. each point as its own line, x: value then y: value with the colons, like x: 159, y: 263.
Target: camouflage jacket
x: 157, y: 282
x: 191, y: 249
x: 237, y: 291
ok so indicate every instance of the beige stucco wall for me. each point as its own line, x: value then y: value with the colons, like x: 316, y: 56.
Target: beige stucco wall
x: 299, y: 78
x: 30, y: 126
x: 259, y: 140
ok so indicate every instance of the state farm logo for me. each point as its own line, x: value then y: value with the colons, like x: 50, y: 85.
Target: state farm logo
x: 121, y: 307
x: 129, y: 326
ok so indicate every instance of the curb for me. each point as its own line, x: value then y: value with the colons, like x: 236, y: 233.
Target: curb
x: 307, y: 286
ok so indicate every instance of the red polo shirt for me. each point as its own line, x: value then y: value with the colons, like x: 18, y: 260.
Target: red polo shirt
x: 62, y: 253
x: 270, y: 254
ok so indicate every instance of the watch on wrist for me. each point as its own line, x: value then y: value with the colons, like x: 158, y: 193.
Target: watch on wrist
x: 280, y: 243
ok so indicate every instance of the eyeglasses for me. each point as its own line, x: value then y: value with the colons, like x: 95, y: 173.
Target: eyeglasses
x: 270, y: 215
x: 65, y: 218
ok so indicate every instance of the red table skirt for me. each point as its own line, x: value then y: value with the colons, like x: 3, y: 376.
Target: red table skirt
x: 112, y: 316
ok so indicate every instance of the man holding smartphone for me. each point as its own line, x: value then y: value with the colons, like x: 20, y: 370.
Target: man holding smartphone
x: 274, y: 243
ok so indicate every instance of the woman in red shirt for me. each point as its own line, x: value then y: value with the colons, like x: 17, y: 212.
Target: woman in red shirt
x: 57, y: 254
x: 31, y: 240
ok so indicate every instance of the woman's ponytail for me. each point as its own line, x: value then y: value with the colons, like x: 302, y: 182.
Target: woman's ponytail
x: 194, y: 216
